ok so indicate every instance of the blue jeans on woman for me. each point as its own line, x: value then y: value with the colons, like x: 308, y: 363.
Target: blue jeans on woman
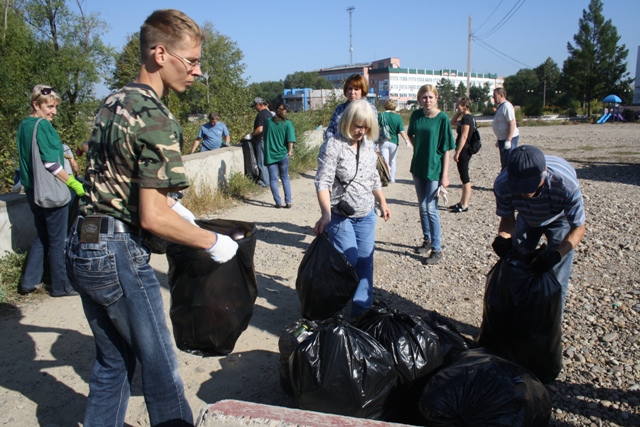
x: 355, y: 238
x: 51, y: 228
x: 282, y: 168
x: 429, y: 217
x: 123, y: 304
x: 526, y: 238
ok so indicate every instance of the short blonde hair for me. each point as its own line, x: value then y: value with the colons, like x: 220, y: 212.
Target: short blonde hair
x: 390, y: 105
x: 40, y: 98
x: 424, y: 89
x: 361, y: 113
x: 167, y: 27
x: 359, y: 82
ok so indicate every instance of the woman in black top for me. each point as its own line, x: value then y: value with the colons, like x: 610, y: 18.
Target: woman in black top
x: 464, y: 123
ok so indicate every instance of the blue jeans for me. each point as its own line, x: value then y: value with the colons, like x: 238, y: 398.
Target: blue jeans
x: 526, y: 239
x: 389, y: 151
x: 51, y: 228
x: 122, y: 302
x: 264, y: 172
x: 429, y: 217
x: 504, y: 154
x: 355, y: 238
x: 282, y: 167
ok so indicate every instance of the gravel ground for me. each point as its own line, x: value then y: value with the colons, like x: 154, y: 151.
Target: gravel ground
x: 47, y: 351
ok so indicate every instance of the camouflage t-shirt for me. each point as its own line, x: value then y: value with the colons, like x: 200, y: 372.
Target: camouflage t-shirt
x: 136, y: 143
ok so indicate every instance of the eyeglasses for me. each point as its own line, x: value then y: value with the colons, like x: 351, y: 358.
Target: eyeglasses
x: 47, y: 91
x: 193, y: 63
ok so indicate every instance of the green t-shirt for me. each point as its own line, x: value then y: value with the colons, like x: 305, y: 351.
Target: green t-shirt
x: 135, y: 144
x: 277, y: 135
x: 394, y: 121
x: 431, y: 139
x: 48, y: 141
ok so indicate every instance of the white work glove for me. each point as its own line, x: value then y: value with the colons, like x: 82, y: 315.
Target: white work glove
x: 247, y: 136
x: 507, y: 144
x: 223, y: 249
x: 184, y: 212
x: 442, y: 192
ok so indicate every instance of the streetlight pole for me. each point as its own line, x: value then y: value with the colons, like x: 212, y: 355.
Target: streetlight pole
x: 350, y: 9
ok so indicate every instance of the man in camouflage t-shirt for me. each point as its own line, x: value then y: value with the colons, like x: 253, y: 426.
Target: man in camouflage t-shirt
x: 133, y: 163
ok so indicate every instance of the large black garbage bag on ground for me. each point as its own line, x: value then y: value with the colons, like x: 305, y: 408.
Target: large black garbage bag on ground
x: 415, y: 347
x: 479, y: 389
x: 326, y: 281
x: 522, y: 317
x: 211, y: 303
x: 342, y: 370
x: 452, y: 342
x: 290, y: 338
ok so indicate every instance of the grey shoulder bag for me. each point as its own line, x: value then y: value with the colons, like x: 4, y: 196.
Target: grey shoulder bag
x: 48, y: 191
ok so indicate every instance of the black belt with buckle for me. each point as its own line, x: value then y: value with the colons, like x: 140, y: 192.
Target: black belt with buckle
x: 90, y: 228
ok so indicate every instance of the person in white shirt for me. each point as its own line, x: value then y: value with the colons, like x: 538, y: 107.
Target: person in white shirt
x: 504, y: 125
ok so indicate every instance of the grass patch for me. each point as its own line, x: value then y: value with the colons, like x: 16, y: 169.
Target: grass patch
x: 207, y: 201
x: 304, y: 159
x: 11, y: 267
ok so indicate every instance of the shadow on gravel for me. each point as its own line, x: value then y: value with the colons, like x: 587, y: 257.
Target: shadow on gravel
x: 569, y: 398
x: 284, y: 233
x: 625, y: 173
x: 35, y: 383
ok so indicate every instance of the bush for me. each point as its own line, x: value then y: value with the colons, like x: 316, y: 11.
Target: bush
x: 11, y: 267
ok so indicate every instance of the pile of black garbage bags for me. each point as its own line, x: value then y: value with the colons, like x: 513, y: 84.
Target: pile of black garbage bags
x: 420, y: 370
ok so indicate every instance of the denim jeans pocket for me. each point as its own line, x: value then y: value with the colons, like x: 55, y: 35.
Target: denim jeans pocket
x: 97, y: 276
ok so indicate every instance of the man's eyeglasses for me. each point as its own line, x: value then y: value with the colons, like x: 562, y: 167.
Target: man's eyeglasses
x: 47, y: 91
x: 193, y: 63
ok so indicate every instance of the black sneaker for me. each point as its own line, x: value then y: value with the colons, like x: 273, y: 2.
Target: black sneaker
x: 434, y: 258
x: 425, y: 248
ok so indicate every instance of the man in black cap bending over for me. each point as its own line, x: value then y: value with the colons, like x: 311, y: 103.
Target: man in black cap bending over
x: 546, y: 193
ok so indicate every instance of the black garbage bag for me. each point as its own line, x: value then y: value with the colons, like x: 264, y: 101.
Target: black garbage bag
x: 522, y: 317
x: 342, y: 370
x: 480, y: 389
x: 452, y: 342
x: 211, y: 303
x: 250, y: 162
x: 326, y: 281
x: 415, y: 347
x: 290, y: 337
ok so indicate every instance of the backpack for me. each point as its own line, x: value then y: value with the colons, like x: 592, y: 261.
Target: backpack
x: 474, y: 142
x: 385, y: 132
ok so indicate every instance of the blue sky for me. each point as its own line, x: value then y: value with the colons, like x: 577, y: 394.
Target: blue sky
x: 281, y: 37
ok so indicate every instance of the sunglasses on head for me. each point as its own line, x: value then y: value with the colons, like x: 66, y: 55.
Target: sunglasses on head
x: 47, y: 91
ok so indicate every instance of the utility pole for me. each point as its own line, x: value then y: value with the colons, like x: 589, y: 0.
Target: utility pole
x: 350, y: 9
x: 469, y: 61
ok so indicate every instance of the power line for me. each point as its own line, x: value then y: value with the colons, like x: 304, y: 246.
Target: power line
x: 503, y: 21
x: 494, y: 11
x: 504, y: 55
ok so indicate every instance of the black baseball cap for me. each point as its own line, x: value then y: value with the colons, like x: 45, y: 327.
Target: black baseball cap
x: 524, y: 169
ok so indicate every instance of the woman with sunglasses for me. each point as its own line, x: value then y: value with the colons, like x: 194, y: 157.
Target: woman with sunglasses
x: 278, y: 147
x: 51, y: 223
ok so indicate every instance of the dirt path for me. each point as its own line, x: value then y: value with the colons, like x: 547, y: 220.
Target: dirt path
x: 47, y: 349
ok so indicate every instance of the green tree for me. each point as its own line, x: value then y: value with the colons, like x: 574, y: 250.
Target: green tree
x: 17, y: 60
x: 524, y: 89
x: 270, y: 91
x: 446, y: 94
x: 596, y: 65
x: 549, y: 76
x: 71, y: 57
x: 480, y: 95
x: 127, y: 63
x: 306, y: 79
x: 461, y: 90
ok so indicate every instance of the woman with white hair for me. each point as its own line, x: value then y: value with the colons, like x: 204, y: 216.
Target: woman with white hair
x: 348, y: 186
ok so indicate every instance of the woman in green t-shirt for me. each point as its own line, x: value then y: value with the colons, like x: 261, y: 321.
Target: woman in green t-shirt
x: 50, y: 223
x: 432, y: 138
x: 278, y: 147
